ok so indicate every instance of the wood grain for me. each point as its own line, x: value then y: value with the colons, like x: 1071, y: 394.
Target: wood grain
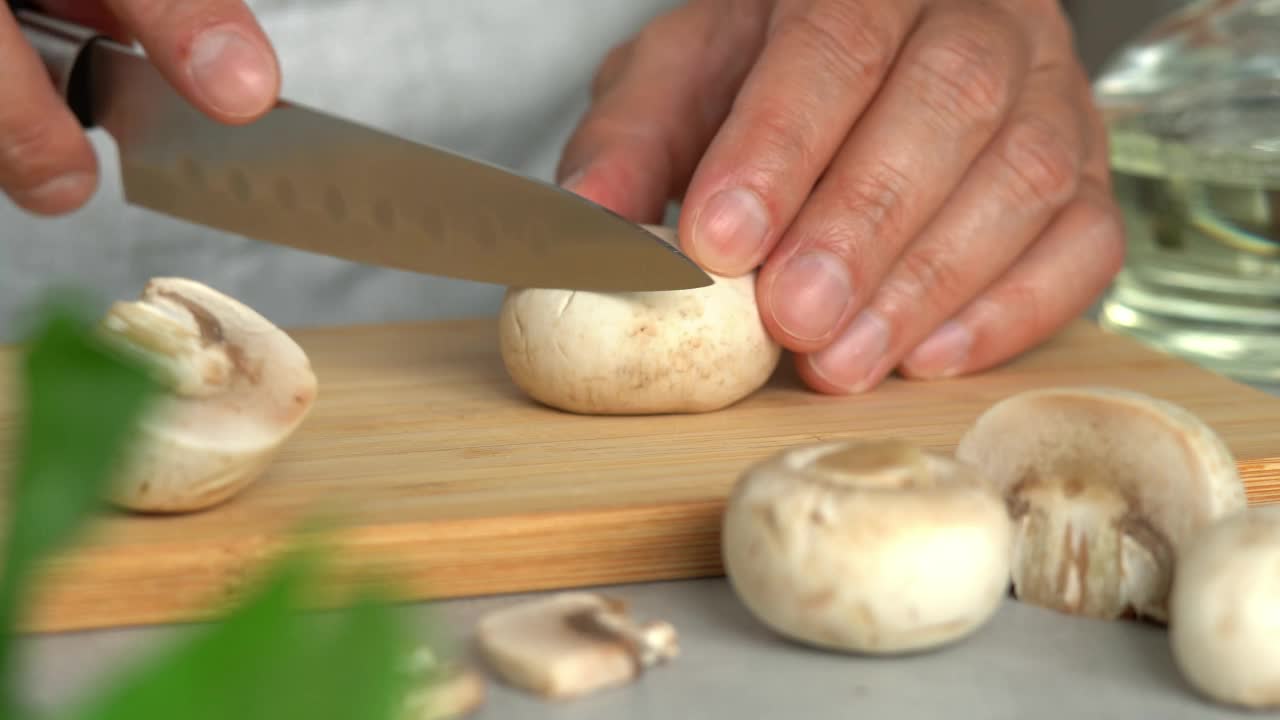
x: 446, y: 479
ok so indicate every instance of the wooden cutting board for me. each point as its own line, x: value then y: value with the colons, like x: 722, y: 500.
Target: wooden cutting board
x: 449, y: 479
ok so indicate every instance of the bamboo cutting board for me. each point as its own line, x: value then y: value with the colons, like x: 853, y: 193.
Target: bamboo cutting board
x: 447, y: 478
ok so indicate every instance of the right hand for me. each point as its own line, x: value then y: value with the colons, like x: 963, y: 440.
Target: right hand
x: 213, y: 52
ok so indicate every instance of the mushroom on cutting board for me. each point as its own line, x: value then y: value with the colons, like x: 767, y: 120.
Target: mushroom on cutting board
x: 1224, y: 610
x: 238, y: 388
x: 1105, y: 486
x: 875, y: 547
x: 679, y: 351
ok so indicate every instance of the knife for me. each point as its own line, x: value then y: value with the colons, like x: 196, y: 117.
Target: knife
x: 304, y: 179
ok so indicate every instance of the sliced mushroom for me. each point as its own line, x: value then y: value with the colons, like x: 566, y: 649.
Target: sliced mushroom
x: 1224, y: 610
x: 572, y: 644
x: 443, y: 689
x: 1105, y: 486
x: 680, y: 351
x: 875, y: 547
x: 239, y: 387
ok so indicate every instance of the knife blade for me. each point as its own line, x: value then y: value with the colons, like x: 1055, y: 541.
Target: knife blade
x: 305, y: 179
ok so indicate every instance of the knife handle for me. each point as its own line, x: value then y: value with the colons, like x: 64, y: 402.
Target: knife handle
x: 62, y: 47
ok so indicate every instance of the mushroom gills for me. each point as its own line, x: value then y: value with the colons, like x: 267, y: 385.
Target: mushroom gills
x: 1080, y: 548
x: 170, y: 340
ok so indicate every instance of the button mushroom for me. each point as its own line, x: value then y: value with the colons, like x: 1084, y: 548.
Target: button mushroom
x: 239, y: 387
x: 1105, y: 486
x: 680, y: 351
x: 1224, y: 610
x: 875, y: 547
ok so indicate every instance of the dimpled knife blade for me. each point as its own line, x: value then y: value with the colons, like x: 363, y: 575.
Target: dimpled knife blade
x: 304, y: 179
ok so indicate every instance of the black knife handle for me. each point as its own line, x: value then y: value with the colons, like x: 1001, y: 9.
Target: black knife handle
x: 62, y: 46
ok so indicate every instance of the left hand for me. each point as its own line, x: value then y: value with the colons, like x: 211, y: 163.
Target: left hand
x: 923, y: 184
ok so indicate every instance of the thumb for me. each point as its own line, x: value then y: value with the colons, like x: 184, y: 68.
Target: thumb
x: 656, y: 103
x: 212, y: 51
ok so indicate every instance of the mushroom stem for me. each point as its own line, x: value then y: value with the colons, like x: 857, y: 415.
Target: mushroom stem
x: 1079, y: 549
x: 650, y: 644
x: 169, y: 337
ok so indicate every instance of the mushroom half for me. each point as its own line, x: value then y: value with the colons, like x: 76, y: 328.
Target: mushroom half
x: 874, y: 547
x: 638, y: 353
x: 1105, y: 486
x: 238, y: 388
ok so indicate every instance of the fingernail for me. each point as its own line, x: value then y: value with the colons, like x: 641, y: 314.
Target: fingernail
x: 943, y: 353
x: 234, y: 74
x: 810, y: 295
x: 571, y: 181
x: 850, y: 360
x: 54, y: 192
x: 730, y: 231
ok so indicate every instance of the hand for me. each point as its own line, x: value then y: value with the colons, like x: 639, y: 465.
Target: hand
x: 212, y: 51
x: 923, y: 184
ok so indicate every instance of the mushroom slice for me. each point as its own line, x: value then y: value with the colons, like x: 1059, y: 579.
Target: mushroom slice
x: 1104, y: 485
x: 1224, y: 610
x: 876, y: 547
x: 679, y: 351
x: 571, y: 644
x: 445, y: 689
x: 239, y: 387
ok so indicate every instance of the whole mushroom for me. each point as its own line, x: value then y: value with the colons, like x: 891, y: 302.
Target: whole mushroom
x: 1105, y: 486
x: 679, y: 351
x: 238, y: 388
x: 1224, y: 624
x: 874, y: 547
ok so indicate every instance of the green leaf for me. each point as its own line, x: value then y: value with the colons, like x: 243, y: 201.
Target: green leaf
x: 269, y: 659
x: 83, y: 403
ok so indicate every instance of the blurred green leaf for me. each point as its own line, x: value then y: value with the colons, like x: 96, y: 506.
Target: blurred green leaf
x: 268, y: 659
x: 83, y: 402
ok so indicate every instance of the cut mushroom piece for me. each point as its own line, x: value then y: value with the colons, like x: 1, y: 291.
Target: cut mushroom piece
x: 572, y: 644
x: 239, y: 387
x: 1105, y: 486
x: 875, y: 547
x: 443, y: 689
x: 679, y: 351
x: 1224, y: 610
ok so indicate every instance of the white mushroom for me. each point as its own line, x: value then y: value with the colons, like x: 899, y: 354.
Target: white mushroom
x: 1105, y: 486
x: 1224, y: 610
x: 239, y: 387
x: 572, y: 644
x: 875, y: 547
x: 679, y: 351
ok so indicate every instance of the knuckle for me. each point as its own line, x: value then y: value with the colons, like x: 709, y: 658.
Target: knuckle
x: 1042, y: 163
x: 781, y: 138
x: 850, y: 41
x: 925, y: 275
x: 964, y: 79
x: 872, y: 202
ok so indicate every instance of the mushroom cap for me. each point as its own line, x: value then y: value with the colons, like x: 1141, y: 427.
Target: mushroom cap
x: 680, y: 351
x: 1224, y: 610
x: 872, y: 547
x: 240, y: 387
x: 1152, y: 467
